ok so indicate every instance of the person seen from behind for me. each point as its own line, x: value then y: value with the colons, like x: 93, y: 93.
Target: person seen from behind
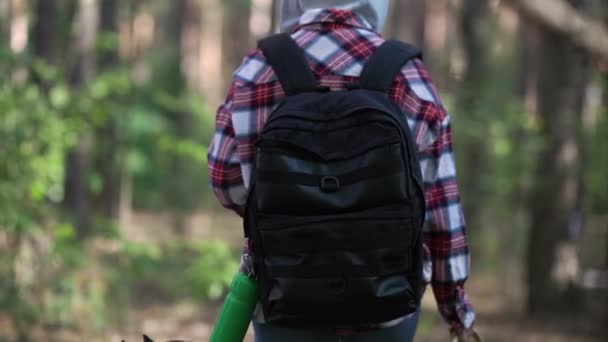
x: 337, y: 39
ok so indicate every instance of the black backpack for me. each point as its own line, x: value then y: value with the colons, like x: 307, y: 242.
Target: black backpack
x: 336, y: 204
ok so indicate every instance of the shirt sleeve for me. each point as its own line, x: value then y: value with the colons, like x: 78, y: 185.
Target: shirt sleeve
x: 444, y: 231
x: 224, y: 165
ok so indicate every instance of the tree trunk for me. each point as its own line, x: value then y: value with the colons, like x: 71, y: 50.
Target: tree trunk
x: 178, y: 191
x: 43, y: 34
x: 437, y: 41
x: 45, y: 41
x: 274, y: 16
x: 68, y: 9
x: 406, y: 21
x: 43, y: 38
x: 470, y: 21
x: 562, y: 79
x: 174, y: 26
x: 5, y: 24
x: 77, y: 197
x: 605, y: 110
x: 108, y: 25
x: 110, y: 153
x: 212, y: 79
x: 236, y: 38
x: 529, y: 65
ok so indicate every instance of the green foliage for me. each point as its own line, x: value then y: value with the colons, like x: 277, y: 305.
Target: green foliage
x: 498, y: 123
x: 39, y: 123
x: 212, y: 270
x: 107, y: 42
x: 51, y: 276
x: 497, y: 144
x: 155, y: 144
x: 235, y: 6
x: 34, y: 137
x: 182, y: 269
x: 67, y: 247
x: 597, y: 165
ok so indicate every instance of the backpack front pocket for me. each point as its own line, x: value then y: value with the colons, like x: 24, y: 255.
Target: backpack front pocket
x: 290, y: 181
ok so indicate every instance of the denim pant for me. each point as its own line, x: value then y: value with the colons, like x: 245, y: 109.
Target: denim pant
x: 402, y: 332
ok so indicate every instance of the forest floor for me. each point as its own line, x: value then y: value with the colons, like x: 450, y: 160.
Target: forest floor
x: 498, y: 310
x: 497, y: 305
x: 191, y: 322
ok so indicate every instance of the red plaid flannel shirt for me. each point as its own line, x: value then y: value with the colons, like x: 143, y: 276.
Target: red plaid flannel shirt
x: 337, y: 44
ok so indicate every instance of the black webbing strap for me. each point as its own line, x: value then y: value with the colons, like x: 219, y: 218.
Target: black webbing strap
x: 383, y: 66
x: 384, y: 169
x: 289, y: 63
x: 378, y: 265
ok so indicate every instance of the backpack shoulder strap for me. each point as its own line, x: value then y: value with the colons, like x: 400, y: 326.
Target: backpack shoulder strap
x: 289, y: 63
x: 383, y: 66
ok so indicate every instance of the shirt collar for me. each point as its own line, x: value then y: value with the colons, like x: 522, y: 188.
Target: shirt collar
x: 333, y: 16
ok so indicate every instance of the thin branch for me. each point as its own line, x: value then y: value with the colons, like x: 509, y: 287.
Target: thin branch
x: 561, y: 17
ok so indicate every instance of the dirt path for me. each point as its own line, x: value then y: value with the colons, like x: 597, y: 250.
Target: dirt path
x: 191, y: 322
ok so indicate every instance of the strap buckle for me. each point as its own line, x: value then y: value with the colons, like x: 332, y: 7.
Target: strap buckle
x: 330, y: 184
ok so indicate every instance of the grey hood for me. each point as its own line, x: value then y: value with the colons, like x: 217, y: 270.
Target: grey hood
x: 373, y: 11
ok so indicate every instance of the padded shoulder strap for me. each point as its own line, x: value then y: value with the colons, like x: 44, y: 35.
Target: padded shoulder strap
x: 383, y: 66
x: 289, y: 63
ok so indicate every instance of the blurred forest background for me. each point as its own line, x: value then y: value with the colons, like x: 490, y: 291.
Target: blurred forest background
x: 108, y: 228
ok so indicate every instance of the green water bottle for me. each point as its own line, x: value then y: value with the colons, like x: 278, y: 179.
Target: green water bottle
x: 233, y: 321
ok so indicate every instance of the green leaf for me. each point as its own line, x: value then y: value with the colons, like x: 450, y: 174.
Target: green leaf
x: 65, y: 232
x: 59, y: 96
